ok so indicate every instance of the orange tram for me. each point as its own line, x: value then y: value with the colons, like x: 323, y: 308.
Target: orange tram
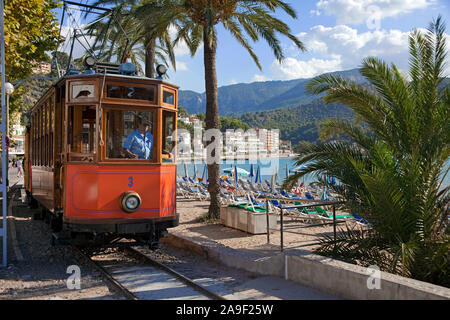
x: 100, y: 158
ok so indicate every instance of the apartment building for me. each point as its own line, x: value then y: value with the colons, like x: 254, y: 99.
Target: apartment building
x: 42, y: 68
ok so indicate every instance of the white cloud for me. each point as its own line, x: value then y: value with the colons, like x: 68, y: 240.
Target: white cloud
x: 342, y: 48
x: 260, y: 78
x: 350, y: 47
x: 292, y: 68
x: 182, y: 66
x: 365, y: 11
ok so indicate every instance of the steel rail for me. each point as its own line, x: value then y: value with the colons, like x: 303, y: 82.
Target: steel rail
x: 127, y: 293
x: 140, y: 255
x: 183, y: 278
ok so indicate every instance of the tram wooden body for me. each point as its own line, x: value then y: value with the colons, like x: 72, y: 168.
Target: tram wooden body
x: 75, y: 165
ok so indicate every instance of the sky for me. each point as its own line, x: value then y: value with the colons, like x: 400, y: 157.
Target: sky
x: 338, y: 35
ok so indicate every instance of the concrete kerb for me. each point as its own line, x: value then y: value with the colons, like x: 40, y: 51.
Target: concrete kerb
x: 355, y: 282
x: 331, y: 276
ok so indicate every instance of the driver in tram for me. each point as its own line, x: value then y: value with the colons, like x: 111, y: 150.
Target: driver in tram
x: 139, y: 143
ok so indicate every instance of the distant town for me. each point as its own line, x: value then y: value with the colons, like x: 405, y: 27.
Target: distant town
x: 236, y: 143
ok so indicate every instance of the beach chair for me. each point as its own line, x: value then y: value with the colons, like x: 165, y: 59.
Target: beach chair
x: 256, y: 202
x: 309, y: 196
x: 257, y: 192
x: 276, y: 203
x: 360, y: 219
x: 181, y: 191
x: 193, y: 182
x: 306, y: 211
x: 289, y: 195
x: 195, y: 192
x: 249, y: 205
x: 327, y: 214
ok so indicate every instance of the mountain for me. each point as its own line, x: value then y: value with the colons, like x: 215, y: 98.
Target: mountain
x: 257, y: 96
x: 237, y: 98
x: 299, y: 123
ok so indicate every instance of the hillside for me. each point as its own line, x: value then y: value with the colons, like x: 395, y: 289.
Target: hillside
x: 240, y: 98
x: 300, y: 123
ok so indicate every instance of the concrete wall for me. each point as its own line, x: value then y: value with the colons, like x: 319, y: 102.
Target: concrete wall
x: 352, y: 282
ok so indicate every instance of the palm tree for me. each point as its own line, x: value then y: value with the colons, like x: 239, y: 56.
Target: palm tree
x: 196, y: 21
x: 128, y: 34
x: 391, y: 170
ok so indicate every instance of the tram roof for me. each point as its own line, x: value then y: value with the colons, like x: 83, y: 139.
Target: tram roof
x: 113, y: 75
x: 97, y: 75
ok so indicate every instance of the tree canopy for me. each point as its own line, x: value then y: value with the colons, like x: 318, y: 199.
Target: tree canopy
x: 31, y: 30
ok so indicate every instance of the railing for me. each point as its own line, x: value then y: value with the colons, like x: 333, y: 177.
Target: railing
x: 300, y: 206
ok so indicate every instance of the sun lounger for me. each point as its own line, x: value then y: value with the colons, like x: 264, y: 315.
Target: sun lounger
x: 289, y: 195
x: 360, y: 219
x: 305, y: 210
x: 309, y: 196
x: 324, y: 213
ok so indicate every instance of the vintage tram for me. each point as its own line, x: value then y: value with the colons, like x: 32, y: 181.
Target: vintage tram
x: 100, y: 156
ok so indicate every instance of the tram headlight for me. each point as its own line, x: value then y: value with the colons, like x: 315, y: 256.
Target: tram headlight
x: 130, y: 201
x: 161, y: 70
x: 89, y: 62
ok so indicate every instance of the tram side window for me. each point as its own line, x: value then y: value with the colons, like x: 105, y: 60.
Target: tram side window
x: 52, y: 129
x: 35, y: 142
x: 33, y: 139
x: 168, y: 142
x: 45, y: 133
x: 81, y: 133
x: 129, y: 134
x: 41, y: 134
x: 168, y: 97
x: 131, y: 92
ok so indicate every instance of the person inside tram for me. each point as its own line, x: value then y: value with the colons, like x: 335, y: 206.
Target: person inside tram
x: 139, y: 143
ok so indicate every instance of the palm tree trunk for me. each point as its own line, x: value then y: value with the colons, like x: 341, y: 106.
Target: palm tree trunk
x: 150, y: 59
x: 212, y: 119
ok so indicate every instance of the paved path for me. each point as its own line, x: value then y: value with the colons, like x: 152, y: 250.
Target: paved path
x: 13, y: 178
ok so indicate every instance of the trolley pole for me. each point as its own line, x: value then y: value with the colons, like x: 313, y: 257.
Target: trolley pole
x: 3, y: 132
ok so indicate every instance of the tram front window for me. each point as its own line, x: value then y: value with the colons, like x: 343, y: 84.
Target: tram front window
x: 129, y: 134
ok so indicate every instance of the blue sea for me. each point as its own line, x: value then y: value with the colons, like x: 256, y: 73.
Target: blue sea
x: 268, y: 167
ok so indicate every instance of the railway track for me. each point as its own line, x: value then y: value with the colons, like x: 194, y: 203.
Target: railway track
x: 151, y: 280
